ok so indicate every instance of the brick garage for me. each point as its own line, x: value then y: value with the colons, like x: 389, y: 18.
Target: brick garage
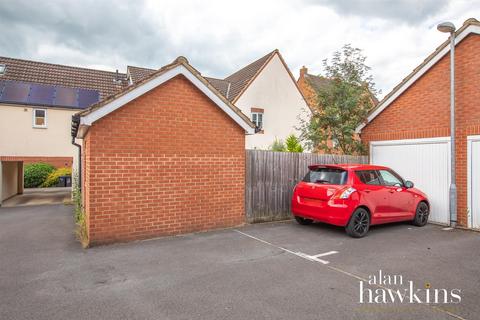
x: 421, y: 109
x: 169, y: 161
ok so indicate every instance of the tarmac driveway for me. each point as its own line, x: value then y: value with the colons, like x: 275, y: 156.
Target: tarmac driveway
x: 39, y: 196
x: 264, y: 271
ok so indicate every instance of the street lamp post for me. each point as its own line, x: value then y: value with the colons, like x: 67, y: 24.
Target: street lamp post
x: 449, y: 27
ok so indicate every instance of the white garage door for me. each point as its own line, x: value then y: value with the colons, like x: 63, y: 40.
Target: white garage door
x: 474, y: 180
x: 425, y: 162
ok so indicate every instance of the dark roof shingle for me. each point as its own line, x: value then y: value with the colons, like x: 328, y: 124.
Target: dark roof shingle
x: 221, y: 85
x: 230, y: 87
x: 240, y: 79
x: 55, y: 74
x: 138, y: 73
x: 319, y: 82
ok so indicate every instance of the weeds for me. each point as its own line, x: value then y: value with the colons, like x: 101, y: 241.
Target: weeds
x: 79, y: 214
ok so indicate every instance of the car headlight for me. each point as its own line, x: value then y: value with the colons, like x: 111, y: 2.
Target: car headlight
x: 347, y: 192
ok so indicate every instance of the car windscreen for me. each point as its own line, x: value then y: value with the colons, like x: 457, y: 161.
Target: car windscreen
x: 326, y: 176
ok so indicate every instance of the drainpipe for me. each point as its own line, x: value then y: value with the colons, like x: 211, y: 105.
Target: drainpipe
x: 75, y: 125
x: 79, y: 163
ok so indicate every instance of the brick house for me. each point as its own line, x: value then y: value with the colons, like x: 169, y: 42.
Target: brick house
x: 409, y: 130
x: 164, y: 156
x: 310, y: 85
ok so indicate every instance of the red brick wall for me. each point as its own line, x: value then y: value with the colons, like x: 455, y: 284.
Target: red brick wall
x: 423, y: 111
x: 308, y: 92
x: 168, y: 162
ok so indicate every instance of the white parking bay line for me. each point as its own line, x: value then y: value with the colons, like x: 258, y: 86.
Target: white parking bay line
x: 314, y: 258
x: 349, y: 274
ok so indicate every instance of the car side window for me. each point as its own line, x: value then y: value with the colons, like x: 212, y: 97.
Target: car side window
x: 390, y: 179
x: 368, y: 177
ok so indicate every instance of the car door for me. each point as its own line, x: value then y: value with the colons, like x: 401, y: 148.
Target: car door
x: 374, y: 194
x: 399, y: 198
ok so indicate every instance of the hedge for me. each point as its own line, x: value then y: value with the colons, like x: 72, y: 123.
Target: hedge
x: 54, y: 177
x: 36, y: 173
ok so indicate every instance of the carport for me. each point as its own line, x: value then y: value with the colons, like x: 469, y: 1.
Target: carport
x: 11, y: 179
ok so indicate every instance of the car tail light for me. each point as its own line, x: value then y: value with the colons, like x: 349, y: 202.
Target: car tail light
x: 346, y: 193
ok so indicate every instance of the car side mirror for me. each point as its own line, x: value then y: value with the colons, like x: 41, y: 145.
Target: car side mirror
x: 408, y: 184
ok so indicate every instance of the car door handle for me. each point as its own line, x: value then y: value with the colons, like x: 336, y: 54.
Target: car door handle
x: 391, y: 191
x: 367, y: 191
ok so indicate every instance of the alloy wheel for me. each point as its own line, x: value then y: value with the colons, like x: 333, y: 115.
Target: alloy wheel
x: 360, y: 222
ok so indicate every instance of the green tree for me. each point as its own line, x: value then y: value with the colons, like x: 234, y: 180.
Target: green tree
x: 292, y: 144
x: 343, y: 103
x: 278, y: 145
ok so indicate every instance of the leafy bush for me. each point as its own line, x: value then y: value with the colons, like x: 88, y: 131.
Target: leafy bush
x: 36, y: 174
x: 293, y: 144
x: 54, y: 177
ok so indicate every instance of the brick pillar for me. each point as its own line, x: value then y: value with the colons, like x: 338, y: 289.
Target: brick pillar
x: 20, y: 176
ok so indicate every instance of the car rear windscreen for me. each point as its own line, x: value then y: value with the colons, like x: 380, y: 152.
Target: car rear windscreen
x: 326, y: 176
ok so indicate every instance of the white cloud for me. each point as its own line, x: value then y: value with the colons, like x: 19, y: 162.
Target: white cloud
x: 219, y: 37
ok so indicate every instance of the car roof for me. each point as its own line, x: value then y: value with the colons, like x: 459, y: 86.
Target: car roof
x: 348, y: 166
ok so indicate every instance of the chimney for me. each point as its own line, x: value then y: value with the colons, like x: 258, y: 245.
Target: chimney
x: 303, y: 71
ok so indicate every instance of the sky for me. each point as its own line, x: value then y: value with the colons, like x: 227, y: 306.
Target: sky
x: 219, y: 37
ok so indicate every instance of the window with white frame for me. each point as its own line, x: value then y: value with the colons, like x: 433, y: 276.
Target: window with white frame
x: 39, y: 118
x: 257, y: 119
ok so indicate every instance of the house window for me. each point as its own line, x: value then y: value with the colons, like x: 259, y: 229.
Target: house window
x: 39, y: 118
x: 3, y: 68
x: 257, y: 119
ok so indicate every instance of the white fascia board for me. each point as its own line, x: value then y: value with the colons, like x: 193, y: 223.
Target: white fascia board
x: 418, y: 74
x: 89, y: 119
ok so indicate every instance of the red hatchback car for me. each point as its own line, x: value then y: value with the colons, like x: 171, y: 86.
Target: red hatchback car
x: 357, y: 196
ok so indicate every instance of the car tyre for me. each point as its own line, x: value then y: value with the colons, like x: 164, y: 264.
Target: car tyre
x: 303, y: 221
x: 359, y: 223
x: 421, y: 215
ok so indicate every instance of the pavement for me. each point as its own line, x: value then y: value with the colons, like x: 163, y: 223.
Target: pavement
x: 39, y: 196
x: 263, y: 271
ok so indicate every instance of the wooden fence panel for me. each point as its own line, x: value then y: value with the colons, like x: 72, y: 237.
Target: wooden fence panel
x: 271, y: 176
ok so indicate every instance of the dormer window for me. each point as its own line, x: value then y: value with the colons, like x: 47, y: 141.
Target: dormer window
x: 3, y: 68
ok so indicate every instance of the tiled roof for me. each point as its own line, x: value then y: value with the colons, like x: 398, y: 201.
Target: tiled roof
x: 230, y: 87
x: 221, y: 85
x: 179, y: 61
x: 139, y: 73
x: 319, y: 82
x: 55, y: 74
x: 103, y: 81
x: 240, y: 79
